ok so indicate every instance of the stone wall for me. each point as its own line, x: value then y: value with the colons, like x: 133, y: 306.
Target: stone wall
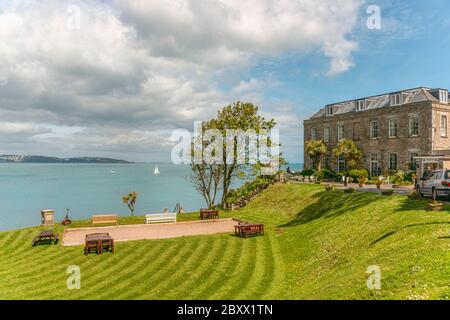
x: 357, y: 128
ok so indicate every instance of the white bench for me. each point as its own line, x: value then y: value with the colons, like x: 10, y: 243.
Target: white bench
x: 160, y: 218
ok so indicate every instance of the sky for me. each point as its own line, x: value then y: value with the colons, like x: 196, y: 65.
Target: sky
x: 115, y: 78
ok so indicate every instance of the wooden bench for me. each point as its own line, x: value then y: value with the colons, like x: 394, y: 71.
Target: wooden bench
x: 244, y: 230
x: 208, y: 214
x: 98, y: 242
x: 105, y: 218
x: 160, y: 218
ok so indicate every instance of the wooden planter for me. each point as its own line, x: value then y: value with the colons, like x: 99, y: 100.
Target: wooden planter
x: 387, y: 192
x: 435, y: 206
x: 349, y: 190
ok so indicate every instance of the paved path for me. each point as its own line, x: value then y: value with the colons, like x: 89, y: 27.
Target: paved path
x: 76, y: 236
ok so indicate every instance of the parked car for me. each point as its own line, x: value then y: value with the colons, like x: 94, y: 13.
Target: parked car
x: 435, y: 183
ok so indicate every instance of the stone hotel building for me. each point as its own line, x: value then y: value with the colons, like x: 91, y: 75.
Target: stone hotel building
x: 395, y: 131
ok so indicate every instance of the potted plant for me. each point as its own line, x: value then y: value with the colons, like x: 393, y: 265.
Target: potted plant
x: 379, y: 183
x: 362, y: 181
x: 435, y: 205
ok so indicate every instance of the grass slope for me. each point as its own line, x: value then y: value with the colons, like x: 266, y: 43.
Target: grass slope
x: 318, y: 245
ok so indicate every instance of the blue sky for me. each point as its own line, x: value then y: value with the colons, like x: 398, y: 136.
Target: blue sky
x: 115, y: 78
x: 411, y: 49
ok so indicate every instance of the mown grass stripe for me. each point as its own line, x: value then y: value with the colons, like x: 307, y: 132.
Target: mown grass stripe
x: 124, y: 269
x: 6, y: 241
x: 261, y: 278
x: 18, y: 246
x: 233, y: 278
x: 37, y: 275
x: 147, y: 266
x: 98, y: 274
x: 202, y: 272
x: 175, y: 278
x: 276, y: 287
x: 155, y: 278
x: 222, y: 268
x: 246, y: 270
x: 38, y: 253
x: 255, y: 277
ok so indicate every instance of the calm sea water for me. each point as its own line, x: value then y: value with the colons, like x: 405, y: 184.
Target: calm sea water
x: 88, y: 189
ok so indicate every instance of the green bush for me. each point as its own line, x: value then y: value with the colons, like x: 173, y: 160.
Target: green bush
x: 307, y: 172
x: 398, y: 177
x: 246, y: 189
x: 349, y: 190
x: 410, y: 176
x: 355, y: 174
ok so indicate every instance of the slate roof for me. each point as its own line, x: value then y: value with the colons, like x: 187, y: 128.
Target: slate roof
x: 408, y: 96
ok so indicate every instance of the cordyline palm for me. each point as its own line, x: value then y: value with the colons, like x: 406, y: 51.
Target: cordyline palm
x: 349, y: 151
x: 130, y: 200
x: 316, y: 149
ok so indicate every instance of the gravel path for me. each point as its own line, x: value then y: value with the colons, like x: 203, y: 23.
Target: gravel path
x: 76, y: 236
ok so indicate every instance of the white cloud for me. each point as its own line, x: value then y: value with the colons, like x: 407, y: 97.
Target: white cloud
x: 152, y: 65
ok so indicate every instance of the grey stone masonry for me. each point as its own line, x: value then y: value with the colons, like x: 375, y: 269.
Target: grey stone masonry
x: 389, y: 129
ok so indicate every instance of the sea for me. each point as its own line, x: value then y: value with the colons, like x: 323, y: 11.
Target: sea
x: 87, y: 189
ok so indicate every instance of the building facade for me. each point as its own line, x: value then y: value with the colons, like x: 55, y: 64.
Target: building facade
x: 390, y: 129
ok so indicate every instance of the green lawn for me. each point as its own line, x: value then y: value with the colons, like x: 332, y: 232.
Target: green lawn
x: 318, y: 245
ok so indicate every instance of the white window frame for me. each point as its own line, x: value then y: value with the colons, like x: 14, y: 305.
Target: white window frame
x: 396, y: 99
x: 412, y: 120
x: 444, y: 125
x: 360, y: 105
x: 314, y: 133
x: 340, y: 132
x: 443, y: 96
x: 391, y: 168
x: 391, y: 127
x: 326, y: 134
x: 329, y: 110
x: 374, y: 161
x: 372, y: 131
x: 340, y: 164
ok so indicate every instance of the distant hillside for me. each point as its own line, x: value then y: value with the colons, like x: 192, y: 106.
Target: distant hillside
x: 45, y: 159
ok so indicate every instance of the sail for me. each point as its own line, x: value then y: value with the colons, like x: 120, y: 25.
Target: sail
x: 156, y: 170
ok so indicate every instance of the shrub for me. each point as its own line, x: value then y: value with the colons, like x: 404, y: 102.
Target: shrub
x: 398, y: 177
x: 330, y: 175
x: 246, y: 189
x: 387, y: 192
x: 349, y: 190
x: 410, y: 176
x: 307, y: 172
x: 356, y: 174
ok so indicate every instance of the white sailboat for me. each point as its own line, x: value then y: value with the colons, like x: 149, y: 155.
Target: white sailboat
x: 156, y: 171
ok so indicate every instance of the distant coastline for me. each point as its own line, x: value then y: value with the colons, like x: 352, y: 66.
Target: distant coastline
x: 46, y: 159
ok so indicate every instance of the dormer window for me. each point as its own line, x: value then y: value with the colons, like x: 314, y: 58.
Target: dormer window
x: 396, y: 99
x: 330, y: 110
x: 443, y: 96
x: 360, y: 105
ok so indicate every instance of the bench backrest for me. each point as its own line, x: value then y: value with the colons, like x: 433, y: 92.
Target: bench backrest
x: 94, y: 235
x: 161, y: 215
x: 105, y: 218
